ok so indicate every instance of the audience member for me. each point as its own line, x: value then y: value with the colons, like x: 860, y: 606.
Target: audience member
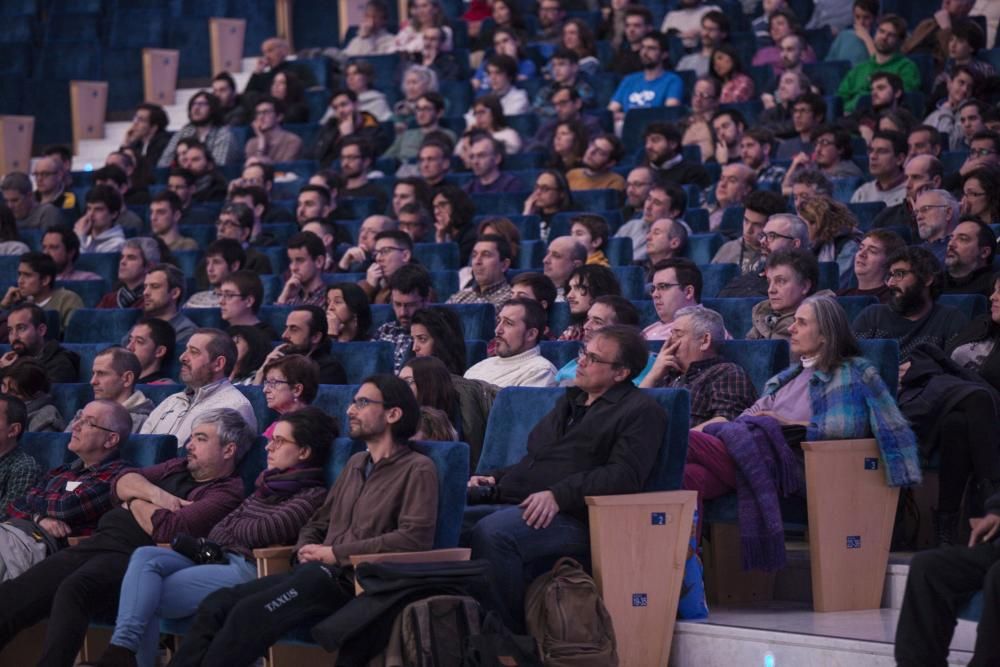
x: 393, y: 249
x: 223, y: 257
x: 270, y: 141
x: 27, y: 330
x: 746, y: 251
x: 833, y: 235
x: 165, y: 214
x: 147, y: 136
x: 410, y: 290
x: 18, y: 469
x: 886, y: 155
x: 205, y: 125
x: 889, y: 35
x: 490, y: 260
x: 306, y: 333
x: 19, y: 198
x: 736, y: 182
x: 937, y: 213
x: 152, y: 341
x: 808, y: 112
x: 518, y: 361
x: 162, y: 294
x: 25, y: 379
x: 564, y: 255
x: 115, y: 373
x: 36, y: 277
x: 348, y: 315
x: 653, y: 87
x: 486, y: 156
x: 667, y: 238
x: 968, y: 260
x: 792, y: 275
x: 755, y: 148
x: 358, y: 258
x: 62, y: 244
x: 98, y: 228
x: 306, y: 261
x: 664, y: 200
x: 674, y: 284
x: 715, y: 30
x: 437, y: 332
x: 871, y: 264
x: 597, y: 171
x: 782, y: 231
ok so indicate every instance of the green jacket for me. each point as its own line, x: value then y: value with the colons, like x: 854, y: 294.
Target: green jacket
x: 858, y: 80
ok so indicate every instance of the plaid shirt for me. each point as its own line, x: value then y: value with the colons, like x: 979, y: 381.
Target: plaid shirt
x: 401, y: 340
x: 497, y: 294
x: 719, y: 388
x: 314, y: 298
x: 18, y: 472
x: 81, y: 506
x: 770, y: 177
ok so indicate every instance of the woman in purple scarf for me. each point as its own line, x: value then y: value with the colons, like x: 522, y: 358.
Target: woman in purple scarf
x: 162, y: 583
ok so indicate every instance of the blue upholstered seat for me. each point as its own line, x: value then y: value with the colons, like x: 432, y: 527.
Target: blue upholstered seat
x: 884, y: 354
x: 478, y: 319
x: 205, y: 317
x: 444, y: 283
x: 761, y: 359
x: 619, y: 251
x: 715, y: 276
x: 90, y: 291
x: 731, y: 225
x: 437, y: 256
x: 632, y: 280
x: 637, y: 119
x: 829, y: 276
x: 333, y: 399
x: 275, y: 316
x: 475, y: 351
x: 559, y: 317
x: 51, y: 449
x: 532, y: 254
x: 866, y: 212
x: 362, y: 359
x: 736, y: 313
x: 255, y: 394
x: 88, y: 352
x: 104, y: 264
x: 973, y: 305
x: 158, y: 393
x: 853, y: 305
x: 701, y: 248
x: 188, y: 260
x: 508, y: 203
x: 70, y: 397
x: 203, y: 234
x: 99, y: 326
x: 560, y: 352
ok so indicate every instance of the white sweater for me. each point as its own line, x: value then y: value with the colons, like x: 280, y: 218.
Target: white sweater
x: 528, y: 369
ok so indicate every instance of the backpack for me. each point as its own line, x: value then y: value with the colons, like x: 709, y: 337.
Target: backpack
x: 568, y: 619
x: 497, y: 646
x: 434, y: 631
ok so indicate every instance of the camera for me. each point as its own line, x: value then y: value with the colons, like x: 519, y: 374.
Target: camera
x: 198, y: 549
x: 482, y: 495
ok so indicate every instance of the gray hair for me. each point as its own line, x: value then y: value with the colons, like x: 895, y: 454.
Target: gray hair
x: 834, y: 327
x: 231, y: 428
x: 797, y: 228
x: 17, y: 181
x: 814, y: 177
x: 118, y: 420
x: 704, y: 321
x: 429, y: 75
x: 948, y: 199
x: 149, y: 248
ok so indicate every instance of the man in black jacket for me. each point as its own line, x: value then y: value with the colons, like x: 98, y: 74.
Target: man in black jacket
x: 306, y: 333
x: 26, y: 324
x: 600, y: 439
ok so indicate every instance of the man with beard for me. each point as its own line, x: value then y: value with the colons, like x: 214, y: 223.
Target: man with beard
x: 968, y: 259
x: 209, y: 184
x: 597, y: 173
x: 937, y: 214
x: 912, y: 316
x: 26, y: 324
x: 206, y: 364
x: 270, y: 141
x: 638, y: 24
x: 923, y: 172
x: 653, y: 87
x: 755, y: 148
x: 889, y: 36
x: 306, y: 333
x: 63, y: 246
x: 663, y: 155
x: 714, y: 31
x: 162, y: 293
x: 728, y: 126
x: 356, y: 158
x: 205, y: 126
x: 518, y: 362
x: 36, y: 279
x: 409, y: 290
x: 637, y: 186
x: 155, y: 504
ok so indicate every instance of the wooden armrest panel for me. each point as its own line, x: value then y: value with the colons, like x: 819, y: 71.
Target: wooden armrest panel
x: 274, y: 552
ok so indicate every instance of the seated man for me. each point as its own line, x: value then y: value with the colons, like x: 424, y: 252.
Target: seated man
x: 427, y: 113
x: 518, y: 361
x: 113, y: 378
x: 357, y: 157
x: 165, y: 211
x: 664, y: 156
x: 139, y: 255
x: 240, y: 296
x: 204, y: 126
x: 564, y: 255
x: 306, y: 334
x: 567, y: 107
x: 36, y: 279
x: 63, y: 246
x: 486, y: 155
x: 410, y: 290
x: 237, y: 221
x: 663, y: 200
x: 674, y: 284
x: 654, y: 86
x: 306, y: 261
x: 206, y: 364
x: 871, y: 264
x: 601, y: 438
x: 153, y: 505
x: 792, y: 275
x: 781, y: 232
x: 27, y: 328
x: 720, y: 390
x: 18, y: 469
x: 889, y: 35
x: 728, y: 126
x: 70, y: 498
x: 270, y: 141
x: 937, y: 213
x: 968, y: 261
x: 736, y: 182
x: 363, y: 513
x: 117, y: 178
x: 223, y: 257
x: 597, y: 173
x: 922, y: 172
x: 358, y: 258
x: 210, y: 183
x: 162, y: 293
x: 666, y: 239
x: 606, y: 311
x: 755, y: 148
x: 490, y: 259
x: 98, y: 228
x: 393, y: 250
x: 746, y: 251
x: 20, y: 199
x: 152, y: 341
x: 886, y: 155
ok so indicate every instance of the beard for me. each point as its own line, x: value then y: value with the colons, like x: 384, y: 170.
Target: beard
x: 906, y: 301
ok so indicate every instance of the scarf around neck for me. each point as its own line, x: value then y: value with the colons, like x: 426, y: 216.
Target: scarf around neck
x: 273, y: 485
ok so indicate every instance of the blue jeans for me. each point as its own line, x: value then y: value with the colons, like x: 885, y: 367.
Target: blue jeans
x: 161, y: 583
x: 509, y: 544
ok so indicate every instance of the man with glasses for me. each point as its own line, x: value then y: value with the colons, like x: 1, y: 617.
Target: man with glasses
x: 746, y: 251
x: 356, y: 158
x: 607, y: 310
x: 416, y: 221
x: 410, y: 289
x: 518, y: 362
x: 385, y: 500
x: 26, y: 329
x: 393, y: 249
x: 357, y: 259
x: 427, y: 113
x: 782, y: 231
x: 663, y: 199
x: 871, y: 264
x: 270, y: 141
x: 50, y: 185
x: 565, y: 66
x: 597, y: 173
x: 222, y: 258
x: 240, y: 296
x: 922, y: 172
x: 601, y: 437
x: 937, y: 213
x: 886, y: 155
x: 69, y: 499
x: 673, y: 284
x: 984, y: 151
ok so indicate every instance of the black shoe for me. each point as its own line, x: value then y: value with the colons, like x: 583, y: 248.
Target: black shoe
x: 946, y: 528
x: 114, y: 656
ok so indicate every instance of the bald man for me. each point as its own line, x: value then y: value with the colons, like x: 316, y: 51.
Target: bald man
x: 274, y: 59
x: 735, y: 183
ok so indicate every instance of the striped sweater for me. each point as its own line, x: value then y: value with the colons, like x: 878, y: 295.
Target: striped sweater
x: 256, y: 524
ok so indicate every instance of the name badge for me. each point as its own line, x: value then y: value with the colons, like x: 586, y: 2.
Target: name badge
x: 73, y: 486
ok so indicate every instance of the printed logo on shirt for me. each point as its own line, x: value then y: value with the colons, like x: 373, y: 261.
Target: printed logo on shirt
x: 641, y: 98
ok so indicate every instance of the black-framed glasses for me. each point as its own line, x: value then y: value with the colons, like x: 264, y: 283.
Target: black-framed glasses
x: 83, y: 421
x: 653, y: 288
x: 585, y: 358
x: 897, y: 275
x: 362, y: 403
x: 272, y: 384
x: 772, y: 236
x: 386, y: 250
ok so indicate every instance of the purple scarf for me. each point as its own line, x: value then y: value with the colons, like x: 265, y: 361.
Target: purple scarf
x: 274, y: 485
x: 765, y: 467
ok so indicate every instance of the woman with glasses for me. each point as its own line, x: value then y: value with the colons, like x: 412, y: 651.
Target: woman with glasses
x: 833, y: 234
x: 161, y: 582
x: 981, y: 194
x: 550, y: 196
x: 348, y: 313
x: 290, y: 384
x: 453, y: 213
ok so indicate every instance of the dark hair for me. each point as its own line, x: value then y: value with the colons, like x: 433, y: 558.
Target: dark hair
x: 397, y: 394
x: 897, y: 139
x: 933, y: 134
x: 107, y: 195
x: 17, y: 412
x: 563, y: 53
x: 765, y: 202
x: 231, y: 251
x: 161, y: 333
x: 41, y: 264
x: 463, y: 209
x: 898, y: 24
x: 498, y: 120
x: 258, y: 347
x: 841, y: 139
x: 157, y: 116
x: 719, y: 19
x: 988, y: 177
x: 317, y: 320
x: 535, y: 316
x: 315, y: 429
x: 309, y: 241
x: 596, y: 225
x: 815, y: 102
x: 599, y: 280
x: 728, y: 50
x: 324, y: 193
x: 969, y: 31
x: 62, y: 151
x: 617, y: 147
x: 503, y: 247
x: 541, y: 285
x: 989, y: 135
x: 175, y: 278
x: 181, y: 172
x: 985, y: 238
x: 633, y: 351
x: 298, y: 369
x: 587, y: 43
x: 357, y: 302
x: 214, y: 107
x: 678, y: 195
x: 295, y: 90
x: 220, y: 344
x: 257, y: 194
x: 37, y: 314
x: 506, y: 64
x: 445, y: 328
x: 626, y: 314
x: 363, y: 145
x: 888, y: 238
x: 397, y: 235
x: 579, y: 143
x: 505, y: 228
x: 668, y: 131
x: 29, y: 376
x: 248, y: 284
x: 110, y: 172
x: 870, y: 6
x: 242, y: 213
x: 434, y: 385
x: 228, y: 78
x: 565, y: 193
x: 639, y: 10
x: 893, y: 80
x: 435, y: 98
x: 802, y: 261
x: 411, y: 278
x: 170, y: 197
x: 687, y: 273
x: 69, y: 239
x: 421, y: 190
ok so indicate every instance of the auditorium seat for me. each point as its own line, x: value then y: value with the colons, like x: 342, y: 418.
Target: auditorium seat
x: 715, y: 276
x: 475, y: 351
x: 478, y: 319
x: 973, y: 305
x: 110, y: 325
x: 701, y: 248
x: 362, y: 359
x: 69, y: 397
x: 619, y: 251
x: 437, y: 256
x: 444, y: 284
x: 51, y: 449
x: 632, y: 280
x: 333, y: 399
x: 560, y: 352
x: 636, y: 121
x: 205, y: 317
x: 853, y: 305
x: 736, y: 313
x: 884, y: 354
x: 90, y: 291
x: 761, y: 359
x: 275, y: 316
x: 532, y: 255
x: 255, y: 394
x: 829, y: 276
x: 865, y: 212
x: 88, y: 352
x: 104, y: 264
x: 559, y: 318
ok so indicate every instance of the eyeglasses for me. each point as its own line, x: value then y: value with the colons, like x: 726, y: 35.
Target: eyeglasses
x: 773, y: 236
x: 379, y: 252
x: 273, y: 384
x: 897, y: 275
x: 83, y: 421
x: 362, y: 403
x: 653, y: 288
x: 226, y: 296
x: 222, y: 224
x: 972, y: 194
x: 277, y: 442
x: 585, y: 358
x: 424, y: 107
x: 926, y: 208
x: 981, y: 152
x: 825, y: 142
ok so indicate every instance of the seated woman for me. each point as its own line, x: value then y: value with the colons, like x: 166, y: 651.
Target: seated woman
x: 289, y: 89
x: 569, y: 143
x: 26, y: 379
x: 550, y: 196
x: 727, y: 68
x: 290, y: 384
x: 830, y: 392
x: 453, y: 213
x: 792, y: 275
x: 980, y: 194
x: 162, y: 583
x: 348, y: 313
x: 585, y: 285
x: 506, y: 42
x: 358, y: 76
x: 437, y: 332
x: 592, y: 231
x: 578, y: 37
x: 252, y: 347
x: 430, y: 381
x: 833, y: 233
x: 487, y: 115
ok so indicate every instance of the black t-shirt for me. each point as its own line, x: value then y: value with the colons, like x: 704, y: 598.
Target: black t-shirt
x: 119, y: 531
x: 937, y: 327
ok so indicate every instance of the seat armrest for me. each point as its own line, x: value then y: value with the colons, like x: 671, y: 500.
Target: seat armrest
x: 273, y: 560
x: 431, y: 556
